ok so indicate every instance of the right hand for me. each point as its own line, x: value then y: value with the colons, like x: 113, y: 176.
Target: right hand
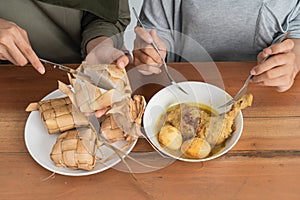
x: 15, y: 46
x: 146, y: 59
x: 101, y: 50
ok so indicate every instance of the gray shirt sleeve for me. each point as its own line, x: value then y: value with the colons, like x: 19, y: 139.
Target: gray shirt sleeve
x: 291, y: 24
x: 294, y: 22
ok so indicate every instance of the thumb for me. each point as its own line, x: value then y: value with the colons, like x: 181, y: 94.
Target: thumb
x: 116, y: 54
x: 122, y: 62
x: 143, y: 34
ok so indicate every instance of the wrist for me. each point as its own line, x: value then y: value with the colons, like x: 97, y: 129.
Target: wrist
x: 103, y: 40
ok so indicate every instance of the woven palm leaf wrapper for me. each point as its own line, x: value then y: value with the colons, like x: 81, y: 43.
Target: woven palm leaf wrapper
x: 76, y: 149
x: 76, y: 146
x: 123, y: 120
x: 59, y: 115
x: 109, y: 87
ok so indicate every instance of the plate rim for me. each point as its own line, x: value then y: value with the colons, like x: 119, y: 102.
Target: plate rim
x: 58, y: 94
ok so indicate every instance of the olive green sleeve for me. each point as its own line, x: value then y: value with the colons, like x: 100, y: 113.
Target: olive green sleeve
x: 93, y: 26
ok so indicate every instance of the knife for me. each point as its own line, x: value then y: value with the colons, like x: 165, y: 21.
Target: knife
x: 65, y: 68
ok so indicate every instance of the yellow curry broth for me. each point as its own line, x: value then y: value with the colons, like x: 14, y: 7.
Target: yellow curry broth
x: 187, y: 124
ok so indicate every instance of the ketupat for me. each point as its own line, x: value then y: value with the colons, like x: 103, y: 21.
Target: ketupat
x: 108, y: 85
x: 123, y: 122
x: 109, y: 88
x: 59, y: 115
x: 76, y: 149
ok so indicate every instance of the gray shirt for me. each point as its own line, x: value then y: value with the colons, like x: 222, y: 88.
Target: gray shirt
x: 222, y: 30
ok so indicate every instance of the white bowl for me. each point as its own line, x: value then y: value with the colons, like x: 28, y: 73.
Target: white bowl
x: 198, y: 92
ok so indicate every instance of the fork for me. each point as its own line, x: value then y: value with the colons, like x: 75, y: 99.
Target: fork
x: 243, y: 90
x: 173, y: 82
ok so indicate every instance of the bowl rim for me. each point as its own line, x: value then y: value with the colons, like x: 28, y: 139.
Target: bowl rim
x: 156, y: 144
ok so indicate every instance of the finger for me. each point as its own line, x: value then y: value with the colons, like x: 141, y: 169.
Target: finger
x: 15, y: 53
x: 103, y: 55
x: 144, y: 58
x: 282, y: 47
x: 101, y: 112
x: 139, y: 43
x: 151, y: 52
x: 6, y: 56
x: 160, y: 44
x: 270, y: 63
x: 147, y: 49
x: 162, y: 47
x: 271, y: 74
x: 147, y: 69
x: 122, y: 62
x: 277, y: 81
x: 29, y: 54
x: 265, y: 53
x: 259, y: 57
x: 19, y: 48
x: 145, y: 72
x: 143, y: 34
x: 116, y: 53
x: 284, y: 88
x: 33, y: 59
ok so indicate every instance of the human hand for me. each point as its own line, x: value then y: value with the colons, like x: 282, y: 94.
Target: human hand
x: 15, y: 46
x: 280, y: 69
x: 146, y: 59
x: 101, y: 51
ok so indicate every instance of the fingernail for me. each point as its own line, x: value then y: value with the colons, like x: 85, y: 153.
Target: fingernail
x: 121, y: 65
x: 41, y: 70
x: 253, y: 72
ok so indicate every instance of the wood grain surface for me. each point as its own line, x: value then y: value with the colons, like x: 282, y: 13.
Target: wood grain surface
x: 264, y: 164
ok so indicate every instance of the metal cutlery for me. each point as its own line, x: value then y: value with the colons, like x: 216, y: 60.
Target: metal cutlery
x: 243, y: 90
x: 65, y: 68
x: 173, y: 82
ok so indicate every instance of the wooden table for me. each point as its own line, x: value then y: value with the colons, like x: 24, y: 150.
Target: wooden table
x: 265, y: 163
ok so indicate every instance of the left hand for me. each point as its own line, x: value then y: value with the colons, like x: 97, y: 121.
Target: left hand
x: 280, y: 69
x: 101, y: 51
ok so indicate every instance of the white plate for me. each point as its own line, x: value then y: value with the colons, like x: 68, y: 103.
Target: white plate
x: 197, y: 92
x: 39, y: 144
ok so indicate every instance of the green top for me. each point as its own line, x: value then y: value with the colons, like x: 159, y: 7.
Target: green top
x: 60, y: 30
x: 100, y: 18
x: 101, y: 8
